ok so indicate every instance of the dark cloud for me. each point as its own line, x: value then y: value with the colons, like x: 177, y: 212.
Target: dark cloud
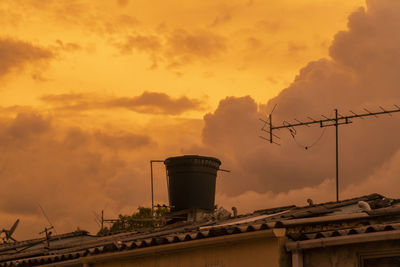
x: 16, y: 55
x: 227, y: 11
x: 147, y: 102
x: 361, y: 73
x: 177, y: 48
x: 122, y: 3
x: 122, y: 140
x: 86, y: 16
x: 156, y: 103
x: 269, y: 25
x: 183, y: 47
x: 295, y: 48
x: 70, y: 172
x: 221, y: 19
x: 69, y: 47
x: 127, y: 20
x: 149, y: 44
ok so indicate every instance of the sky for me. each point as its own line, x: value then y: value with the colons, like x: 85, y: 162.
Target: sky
x: 91, y: 91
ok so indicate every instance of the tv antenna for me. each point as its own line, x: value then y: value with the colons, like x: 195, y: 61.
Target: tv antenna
x: 9, y: 232
x: 48, y: 234
x: 324, y: 122
x: 48, y: 220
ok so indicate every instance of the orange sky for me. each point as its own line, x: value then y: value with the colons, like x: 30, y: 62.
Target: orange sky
x: 90, y: 91
x: 204, y: 51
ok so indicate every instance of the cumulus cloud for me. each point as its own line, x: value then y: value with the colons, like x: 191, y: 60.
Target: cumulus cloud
x: 360, y: 73
x: 147, y: 102
x: 383, y: 180
x: 15, y: 55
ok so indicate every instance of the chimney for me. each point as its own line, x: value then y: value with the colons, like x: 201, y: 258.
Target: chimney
x: 191, y: 181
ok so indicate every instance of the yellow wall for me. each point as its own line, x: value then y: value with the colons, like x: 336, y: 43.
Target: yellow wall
x: 259, y: 252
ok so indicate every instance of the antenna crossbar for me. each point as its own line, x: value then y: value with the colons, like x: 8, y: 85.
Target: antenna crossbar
x: 341, y: 119
x: 325, y: 122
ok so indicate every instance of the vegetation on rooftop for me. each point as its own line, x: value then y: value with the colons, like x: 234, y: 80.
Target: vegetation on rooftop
x: 142, y: 219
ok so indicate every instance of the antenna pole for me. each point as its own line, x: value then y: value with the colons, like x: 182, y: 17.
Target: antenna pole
x: 152, y: 188
x: 337, y: 154
x: 270, y: 128
x: 102, y: 220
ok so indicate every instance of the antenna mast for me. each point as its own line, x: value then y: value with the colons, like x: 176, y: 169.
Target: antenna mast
x: 47, y: 218
x: 325, y: 122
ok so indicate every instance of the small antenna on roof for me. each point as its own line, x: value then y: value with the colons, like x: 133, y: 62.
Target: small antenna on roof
x: 9, y: 233
x: 48, y: 234
x: 48, y: 220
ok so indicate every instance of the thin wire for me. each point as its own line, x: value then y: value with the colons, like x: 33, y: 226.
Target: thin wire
x: 313, y: 144
x: 293, y: 133
x: 273, y: 109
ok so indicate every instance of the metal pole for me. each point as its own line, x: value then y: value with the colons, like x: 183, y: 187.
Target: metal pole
x: 270, y: 128
x: 102, y: 220
x: 152, y: 189
x: 152, y: 192
x: 337, y: 155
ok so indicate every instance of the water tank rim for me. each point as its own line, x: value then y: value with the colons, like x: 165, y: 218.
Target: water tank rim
x: 169, y: 160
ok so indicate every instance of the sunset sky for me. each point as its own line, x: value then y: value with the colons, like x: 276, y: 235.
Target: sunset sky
x: 91, y: 91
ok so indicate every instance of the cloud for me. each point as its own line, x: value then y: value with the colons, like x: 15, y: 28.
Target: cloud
x: 360, y: 73
x: 147, y: 103
x: 68, y: 47
x: 69, y: 171
x: 144, y: 43
x: 184, y: 47
x: 384, y: 181
x: 123, y: 3
x: 176, y: 48
x: 149, y: 44
x: 122, y: 140
x: 295, y: 48
x: 15, y: 55
x: 87, y: 17
x: 156, y: 103
x: 73, y: 172
x: 249, y: 201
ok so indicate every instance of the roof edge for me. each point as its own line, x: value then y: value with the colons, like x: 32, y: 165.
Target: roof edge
x: 342, y: 240
x: 268, y: 233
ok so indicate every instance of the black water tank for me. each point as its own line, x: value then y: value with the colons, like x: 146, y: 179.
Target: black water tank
x: 191, y: 182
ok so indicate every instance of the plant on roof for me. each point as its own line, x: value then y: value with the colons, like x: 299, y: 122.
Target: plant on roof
x: 142, y: 219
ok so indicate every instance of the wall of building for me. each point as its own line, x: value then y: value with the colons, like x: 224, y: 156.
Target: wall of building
x: 261, y: 252
x: 354, y: 255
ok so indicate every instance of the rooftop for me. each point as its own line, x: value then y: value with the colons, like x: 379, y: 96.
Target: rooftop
x: 357, y: 216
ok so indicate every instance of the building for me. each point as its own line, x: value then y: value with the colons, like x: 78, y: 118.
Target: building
x: 363, y: 231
